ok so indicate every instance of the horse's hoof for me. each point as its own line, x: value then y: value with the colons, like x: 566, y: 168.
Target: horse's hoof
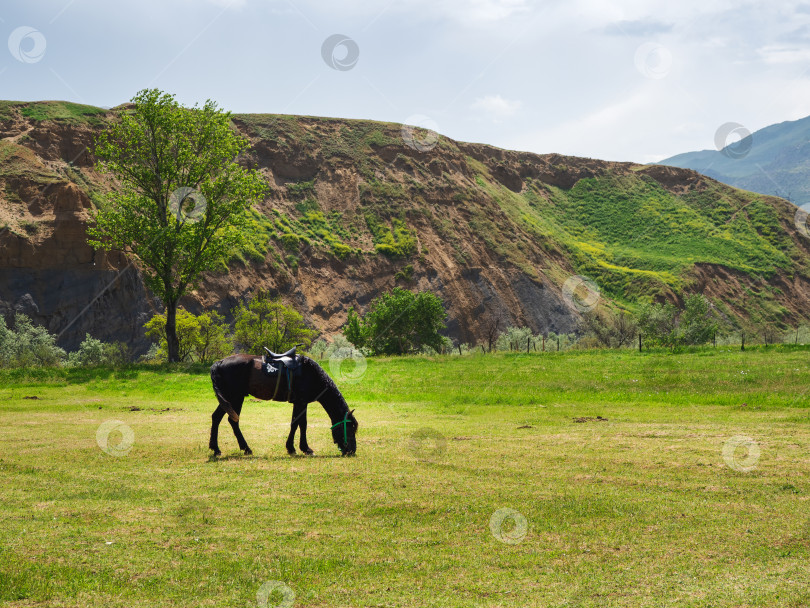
x: 291, y: 451
x: 308, y: 452
x: 217, y: 453
x: 248, y: 451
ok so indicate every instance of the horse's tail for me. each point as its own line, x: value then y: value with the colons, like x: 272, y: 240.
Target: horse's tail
x: 216, y: 376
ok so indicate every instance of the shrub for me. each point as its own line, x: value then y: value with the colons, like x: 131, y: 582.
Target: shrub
x: 397, y: 323
x: 96, y: 352
x: 27, y: 344
x: 266, y: 321
x: 202, y: 338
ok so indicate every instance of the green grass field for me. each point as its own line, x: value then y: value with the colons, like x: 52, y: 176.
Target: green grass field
x: 641, y: 509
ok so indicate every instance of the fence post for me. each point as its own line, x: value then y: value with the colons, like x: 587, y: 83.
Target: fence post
x: 544, y: 342
x: 714, y: 339
x: 459, y: 349
x: 639, y: 341
x: 528, y: 344
x: 743, y: 341
x: 558, y: 343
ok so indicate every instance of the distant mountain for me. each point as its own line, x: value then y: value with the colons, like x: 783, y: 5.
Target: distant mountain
x: 774, y: 160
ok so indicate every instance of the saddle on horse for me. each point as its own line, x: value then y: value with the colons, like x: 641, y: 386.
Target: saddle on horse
x: 282, y: 365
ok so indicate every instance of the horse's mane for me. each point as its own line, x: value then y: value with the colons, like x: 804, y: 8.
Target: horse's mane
x: 329, y: 384
x: 319, y: 372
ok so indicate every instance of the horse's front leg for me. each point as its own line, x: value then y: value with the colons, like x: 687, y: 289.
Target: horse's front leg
x: 299, y: 420
x: 237, y: 406
x: 302, y: 424
x: 293, y: 426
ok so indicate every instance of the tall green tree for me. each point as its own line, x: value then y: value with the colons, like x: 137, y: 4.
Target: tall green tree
x: 182, y: 198
x: 398, y: 322
x: 266, y: 321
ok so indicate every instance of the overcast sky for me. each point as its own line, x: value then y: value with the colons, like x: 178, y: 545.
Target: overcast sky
x: 635, y: 80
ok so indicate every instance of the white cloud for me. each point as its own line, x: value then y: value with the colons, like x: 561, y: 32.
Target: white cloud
x: 496, y: 106
x: 778, y: 54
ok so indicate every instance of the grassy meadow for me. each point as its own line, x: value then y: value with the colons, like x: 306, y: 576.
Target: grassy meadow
x: 561, y: 480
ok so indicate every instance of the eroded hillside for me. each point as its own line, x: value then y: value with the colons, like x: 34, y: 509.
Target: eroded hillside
x: 353, y: 209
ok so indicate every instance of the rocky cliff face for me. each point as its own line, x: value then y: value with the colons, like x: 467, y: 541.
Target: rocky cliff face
x: 493, y: 230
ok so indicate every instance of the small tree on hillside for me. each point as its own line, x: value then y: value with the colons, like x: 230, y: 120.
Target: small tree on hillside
x: 265, y: 321
x: 398, y: 322
x: 657, y: 323
x: 666, y: 325
x: 611, y: 330
x: 695, y: 324
x: 182, y: 198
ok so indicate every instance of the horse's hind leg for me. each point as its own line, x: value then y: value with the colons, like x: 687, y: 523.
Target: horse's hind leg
x: 237, y: 406
x: 216, y: 418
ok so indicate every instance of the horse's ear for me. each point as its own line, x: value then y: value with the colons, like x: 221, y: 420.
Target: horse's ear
x: 351, y: 413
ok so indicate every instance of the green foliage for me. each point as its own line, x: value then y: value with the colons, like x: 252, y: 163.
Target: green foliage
x: 397, y: 242
x: 203, y: 338
x: 302, y: 190
x: 666, y: 325
x: 162, y: 150
x: 397, y: 323
x: 266, y: 321
x: 290, y: 241
x: 657, y: 323
x: 355, y: 330
x: 95, y: 352
x: 314, y: 228
x: 609, y: 329
x: 26, y: 344
x: 62, y: 111
x: 513, y: 337
x: 404, y: 274
x: 695, y: 325
x: 257, y: 233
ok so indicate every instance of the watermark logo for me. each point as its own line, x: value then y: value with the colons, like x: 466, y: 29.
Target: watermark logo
x: 106, y: 429
x: 733, y: 140
x: 511, y: 534
x: 27, y: 44
x: 187, y: 205
x: 427, y: 444
x: 340, y: 52
x: 741, y: 453
x: 420, y: 132
x: 653, y: 60
x: 275, y: 594
x: 347, y: 365
x: 581, y: 293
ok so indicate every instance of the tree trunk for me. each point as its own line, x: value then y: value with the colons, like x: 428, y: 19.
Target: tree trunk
x: 172, y: 341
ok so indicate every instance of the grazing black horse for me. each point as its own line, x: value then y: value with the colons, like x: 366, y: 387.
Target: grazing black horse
x: 237, y: 376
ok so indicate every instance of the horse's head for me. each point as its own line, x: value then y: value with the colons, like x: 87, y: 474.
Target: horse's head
x: 344, y: 432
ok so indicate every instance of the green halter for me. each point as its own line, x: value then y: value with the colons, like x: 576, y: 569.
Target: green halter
x: 344, y: 422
